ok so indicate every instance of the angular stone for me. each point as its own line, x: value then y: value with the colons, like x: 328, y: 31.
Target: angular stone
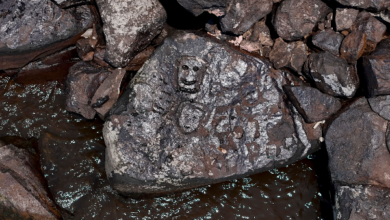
x: 199, y: 112
x: 356, y: 145
x: 295, y: 19
x: 129, y: 27
x: 376, y: 74
x: 332, y: 75
x: 86, y: 46
x: 312, y: 104
x: 292, y: 55
x: 353, y: 45
x: 381, y: 105
x: 383, y: 47
x: 22, y: 190
x: 71, y: 3
x: 32, y: 29
x: 261, y: 33
x: 362, y: 202
x: 108, y: 93
x: 82, y: 82
x: 345, y: 18
x: 328, y: 40
x: 372, y: 27
x: 242, y: 14
x: 280, y: 54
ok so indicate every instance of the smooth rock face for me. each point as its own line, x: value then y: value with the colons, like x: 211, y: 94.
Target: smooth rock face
x: 295, y: 19
x: 376, y: 74
x: 353, y: 45
x: 22, y: 191
x: 332, y: 75
x: 362, y: 202
x: 345, y: 18
x: 312, y: 104
x: 356, y: 145
x: 381, y: 105
x: 199, y: 112
x: 81, y: 84
x: 328, y: 40
x: 129, y: 27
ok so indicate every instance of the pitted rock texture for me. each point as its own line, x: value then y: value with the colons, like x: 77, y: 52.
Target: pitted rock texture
x: 295, y: 19
x: 129, y: 27
x: 381, y: 105
x: 199, y: 112
x: 328, y: 40
x: 356, y: 145
x: 71, y: 3
x: 312, y: 104
x: 376, y: 74
x: 81, y: 84
x: 22, y: 191
x: 345, y: 18
x: 362, y: 202
x: 332, y: 75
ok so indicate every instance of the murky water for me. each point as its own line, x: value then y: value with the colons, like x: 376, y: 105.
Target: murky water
x: 72, y: 160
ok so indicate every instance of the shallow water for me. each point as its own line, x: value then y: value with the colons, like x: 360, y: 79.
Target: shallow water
x: 72, y: 160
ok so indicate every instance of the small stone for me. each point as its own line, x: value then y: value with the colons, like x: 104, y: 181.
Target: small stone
x: 129, y: 27
x: 345, y: 33
x: 328, y: 40
x: 332, y: 75
x: 265, y: 51
x: 211, y: 26
x: 98, y: 56
x: 261, y: 33
x: 292, y: 55
x: 82, y: 82
x: 345, y: 18
x: 250, y: 46
x: 312, y: 104
x: 356, y: 145
x: 280, y: 55
x: 353, y: 45
x: 321, y: 26
x: 197, y: 7
x: 295, y: 19
x: 381, y: 105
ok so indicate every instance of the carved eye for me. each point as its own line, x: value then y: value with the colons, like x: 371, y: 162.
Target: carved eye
x: 185, y: 67
x: 196, y: 68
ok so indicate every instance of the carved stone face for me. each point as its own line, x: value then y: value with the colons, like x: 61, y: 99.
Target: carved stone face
x: 191, y: 116
x: 190, y: 73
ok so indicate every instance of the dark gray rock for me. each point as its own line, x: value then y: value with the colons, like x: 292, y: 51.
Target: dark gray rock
x: 295, y: 19
x: 292, y: 55
x: 312, y: 104
x: 332, y: 75
x: 200, y: 112
x: 129, y: 27
x: 31, y: 28
x: 71, y: 3
x: 377, y: 5
x: 362, y: 202
x: 353, y: 46
x: 345, y: 18
x: 81, y: 84
x: 376, y: 74
x: 197, y: 7
x: 383, y: 47
x: 328, y: 40
x: 381, y: 105
x: 356, y: 145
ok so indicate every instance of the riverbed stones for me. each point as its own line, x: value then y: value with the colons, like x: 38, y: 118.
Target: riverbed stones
x: 313, y: 105
x: 332, y: 75
x: 82, y: 82
x: 129, y: 27
x: 22, y: 191
x: 353, y: 45
x: 30, y: 29
x: 345, y: 18
x: 328, y: 40
x: 199, y: 112
x: 375, y: 73
x: 295, y: 19
x: 356, y: 145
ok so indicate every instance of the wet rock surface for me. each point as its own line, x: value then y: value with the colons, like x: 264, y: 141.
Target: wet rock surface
x: 129, y: 33
x: 295, y: 19
x: 332, y: 75
x: 52, y: 25
x: 356, y: 145
x: 23, y: 194
x: 198, y: 115
x: 313, y: 105
x: 328, y: 40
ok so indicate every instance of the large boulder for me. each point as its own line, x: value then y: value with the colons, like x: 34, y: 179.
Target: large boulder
x: 129, y: 27
x: 357, y: 149
x: 199, y: 112
x: 23, y: 194
x: 30, y: 29
x: 295, y: 19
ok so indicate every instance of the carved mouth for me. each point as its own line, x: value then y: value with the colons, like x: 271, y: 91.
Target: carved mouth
x: 188, y: 90
x: 188, y: 83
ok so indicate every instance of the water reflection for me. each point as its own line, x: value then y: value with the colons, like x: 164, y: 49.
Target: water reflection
x: 72, y: 160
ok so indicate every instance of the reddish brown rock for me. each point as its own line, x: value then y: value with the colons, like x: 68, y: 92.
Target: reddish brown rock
x: 292, y: 55
x: 353, y: 45
x: 376, y: 5
x: 22, y: 191
x: 372, y: 27
x: 86, y: 46
x: 328, y: 40
x: 82, y: 82
x: 295, y: 19
x: 345, y: 18
x: 280, y: 55
x: 312, y: 104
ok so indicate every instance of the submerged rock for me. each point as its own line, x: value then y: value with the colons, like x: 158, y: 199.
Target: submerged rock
x: 30, y: 29
x: 295, y: 19
x: 129, y: 27
x: 199, y: 112
x: 22, y: 191
x: 332, y: 75
x: 356, y: 145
